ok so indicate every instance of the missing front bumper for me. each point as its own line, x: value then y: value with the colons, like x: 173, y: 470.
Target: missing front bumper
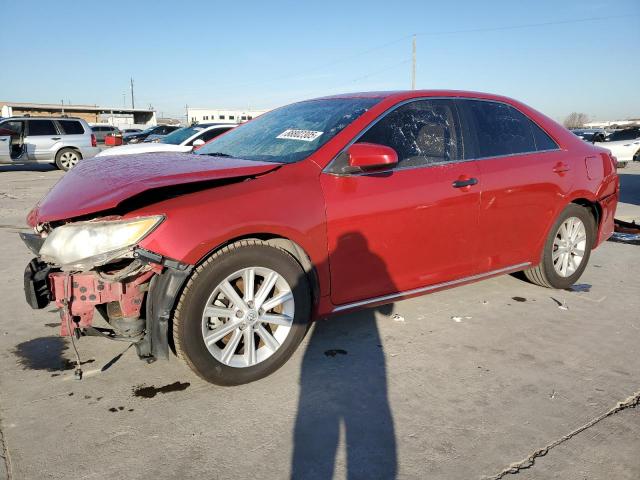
x: 149, y: 295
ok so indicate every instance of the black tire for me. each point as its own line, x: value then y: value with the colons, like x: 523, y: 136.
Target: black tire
x: 61, y: 160
x: 187, y: 321
x: 545, y: 274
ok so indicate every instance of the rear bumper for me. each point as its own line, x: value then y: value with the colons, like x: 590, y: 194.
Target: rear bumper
x: 89, y: 152
x: 606, y: 228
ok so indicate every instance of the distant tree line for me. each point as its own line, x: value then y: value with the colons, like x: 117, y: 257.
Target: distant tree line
x: 576, y: 120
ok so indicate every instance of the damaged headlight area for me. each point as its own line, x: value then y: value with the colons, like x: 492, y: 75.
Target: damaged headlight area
x: 83, y: 245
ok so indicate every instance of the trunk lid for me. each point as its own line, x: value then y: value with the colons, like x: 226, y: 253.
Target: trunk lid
x: 102, y: 183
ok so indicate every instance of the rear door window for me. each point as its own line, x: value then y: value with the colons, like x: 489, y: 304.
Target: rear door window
x: 500, y: 129
x: 41, y: 128
x: 71, y: 127
x: 421, y: 132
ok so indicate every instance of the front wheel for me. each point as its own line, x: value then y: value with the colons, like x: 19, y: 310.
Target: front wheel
x: 567, y: 249
x: 243, y: 313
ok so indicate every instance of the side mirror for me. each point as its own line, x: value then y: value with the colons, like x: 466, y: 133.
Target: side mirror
x: 371, y: 156
x: 198, y: 143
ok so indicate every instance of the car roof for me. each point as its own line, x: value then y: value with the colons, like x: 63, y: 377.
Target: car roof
x: 408, y: 94
x: 42, y: 118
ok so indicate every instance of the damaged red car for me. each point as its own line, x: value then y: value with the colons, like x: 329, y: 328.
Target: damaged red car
x: 318, y: 207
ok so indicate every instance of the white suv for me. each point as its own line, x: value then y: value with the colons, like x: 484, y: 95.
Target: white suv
x: 63, y: 141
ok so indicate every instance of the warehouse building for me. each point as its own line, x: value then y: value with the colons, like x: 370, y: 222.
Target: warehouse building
x: 119, y: 117
x: 209, y: 115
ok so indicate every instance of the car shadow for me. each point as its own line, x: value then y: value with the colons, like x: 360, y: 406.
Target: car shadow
x: 343, y: 387
x: 629, y: 188
x: 28, y: 167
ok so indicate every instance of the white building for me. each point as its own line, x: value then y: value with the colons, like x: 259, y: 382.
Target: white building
x: 210, y: 115
x: 613, y: 123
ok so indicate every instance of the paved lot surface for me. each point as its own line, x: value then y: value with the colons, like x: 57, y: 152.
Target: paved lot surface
x: 366, y: 395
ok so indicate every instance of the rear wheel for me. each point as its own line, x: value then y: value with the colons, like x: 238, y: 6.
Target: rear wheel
x: 243, y: 313
x: 567, y: 249
x: 67, y: 158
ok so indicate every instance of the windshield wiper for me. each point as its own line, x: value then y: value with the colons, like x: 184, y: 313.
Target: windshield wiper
x: 216, y: 154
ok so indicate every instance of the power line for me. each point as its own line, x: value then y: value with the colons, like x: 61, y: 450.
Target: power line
x: 405, y: 37
x: 524, y: 25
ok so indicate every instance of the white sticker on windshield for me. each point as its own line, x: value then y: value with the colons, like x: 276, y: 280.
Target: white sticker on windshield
x: 304, y: 135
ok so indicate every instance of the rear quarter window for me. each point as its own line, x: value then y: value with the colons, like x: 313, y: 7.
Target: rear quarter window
x: 71, y: 127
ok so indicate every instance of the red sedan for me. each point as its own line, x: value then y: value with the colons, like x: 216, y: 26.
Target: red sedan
x: 317, y: 207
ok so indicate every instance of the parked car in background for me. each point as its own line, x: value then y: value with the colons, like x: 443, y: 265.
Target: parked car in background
x: 182, y: 140
x: 141, y: 136
x: 130, y: 130
x: 102, y: 131
x: 623, y: 144
x: 315, y: 208
x: 62, y: 141
x: 590, y: 134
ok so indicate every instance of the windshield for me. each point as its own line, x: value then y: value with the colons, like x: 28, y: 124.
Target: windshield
x: 180, y: 135
x: 290, y: 133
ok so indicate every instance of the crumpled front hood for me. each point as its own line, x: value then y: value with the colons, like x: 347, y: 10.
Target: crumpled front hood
x: 102, y: 183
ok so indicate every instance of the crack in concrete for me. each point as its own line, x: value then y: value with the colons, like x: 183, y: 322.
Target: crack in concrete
x: 5, y: 465
x: 630, y: 402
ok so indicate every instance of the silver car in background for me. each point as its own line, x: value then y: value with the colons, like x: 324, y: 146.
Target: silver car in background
x: 59, y: 140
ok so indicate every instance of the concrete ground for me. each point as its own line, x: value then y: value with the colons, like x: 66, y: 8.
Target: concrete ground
x: 462, y: 384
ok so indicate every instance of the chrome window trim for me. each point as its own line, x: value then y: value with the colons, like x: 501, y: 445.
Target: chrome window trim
x: 462, y: 160
x: 428, y: 288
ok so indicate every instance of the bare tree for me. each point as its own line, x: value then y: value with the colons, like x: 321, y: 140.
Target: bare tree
x: 576, y: 120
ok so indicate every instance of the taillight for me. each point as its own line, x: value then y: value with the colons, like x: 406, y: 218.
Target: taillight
x: 94, y: 141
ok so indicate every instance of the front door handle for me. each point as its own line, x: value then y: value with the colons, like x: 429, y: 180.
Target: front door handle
x: 56, y: 138
x: 463, y: 182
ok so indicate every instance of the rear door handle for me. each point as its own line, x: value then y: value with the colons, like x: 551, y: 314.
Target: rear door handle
x: 561, y: 167
x: 56, y: 138
x: 464, y: 182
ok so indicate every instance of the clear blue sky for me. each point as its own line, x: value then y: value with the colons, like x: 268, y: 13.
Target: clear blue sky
x: 260, y: 54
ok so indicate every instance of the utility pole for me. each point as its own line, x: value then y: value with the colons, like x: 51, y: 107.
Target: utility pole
x: 413, y: 66
x: 133, y: 105
x: 186, y: 108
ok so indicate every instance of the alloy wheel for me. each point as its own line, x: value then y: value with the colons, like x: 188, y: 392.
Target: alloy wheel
x: 68, y: 159
x: 569, y: 246
x: 248, y: 316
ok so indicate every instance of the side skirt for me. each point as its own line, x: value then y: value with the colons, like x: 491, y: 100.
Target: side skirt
x: 438, y: 286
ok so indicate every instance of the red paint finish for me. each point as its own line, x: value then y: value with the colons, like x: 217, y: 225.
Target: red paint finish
x: 367, y: 156
x: 521, y: 197
x: 367, y: 234
x: 423, y: 231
